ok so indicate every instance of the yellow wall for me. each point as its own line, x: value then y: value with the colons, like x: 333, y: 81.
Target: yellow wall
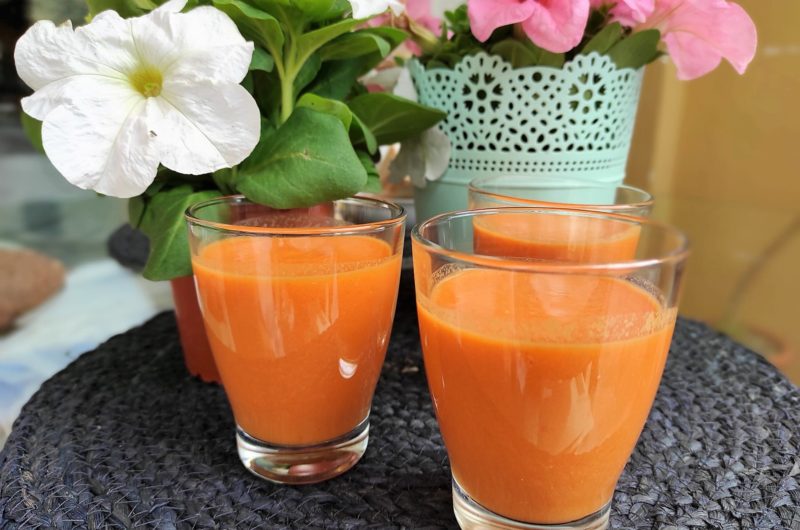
x: 722, y: 156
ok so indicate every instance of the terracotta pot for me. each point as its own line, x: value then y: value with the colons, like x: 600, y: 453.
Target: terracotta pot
x: 196, y: 350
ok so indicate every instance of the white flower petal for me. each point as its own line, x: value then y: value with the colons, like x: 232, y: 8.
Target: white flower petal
x: 405, y: 86
x: 48, y: 53
x: 173, y: 6
x: 41, y: 53
x: 102, y: 134
x: 153, y: 35
x: 212, y: 50
x: 201, y: 45
x: 49, y: 58
x: 386, y: 78
x: 369, y: 8
x: 206, y: 127
x: 102, y: 141
x: 207, y: 27
x: 43, y: 101
x: 437, y: 153
x: 108, y: 41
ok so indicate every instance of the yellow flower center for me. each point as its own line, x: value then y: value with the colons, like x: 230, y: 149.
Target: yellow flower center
x: 147, y: 80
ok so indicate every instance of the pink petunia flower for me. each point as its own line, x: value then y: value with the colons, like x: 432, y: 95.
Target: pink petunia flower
x: 628, y: 12
x: 698, y: 34
x: 555, y: 25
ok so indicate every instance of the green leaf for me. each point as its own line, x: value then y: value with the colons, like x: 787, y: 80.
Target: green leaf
x: 164, y: 225
x: 392, y: 118
x: 248, y: 83
x: 262, y: 60
x: 516, y: 53
x: 263, y: 145
x: 328, y: 106
x: 337, y: 78
x: 310, y: 42
x: 373, y: 184
x: 395, y: 36
x: 458, y: 19
x: 339, y: 8
x: 553, y: 60
x: 637, y: 50
x: 307, y: 161
x: 604, y: 40
x: 355, y: 45
x: 135, y: 211
x: 267, y: 93
x: 33, y: 130
x: 307, y: 73
x: 544, y: 57
x: 145, y: 5
x: 254, y: 23
x: 125, y: 8
x: 318, y: 10
x: 162, y: 179
x: 224, y: 179
x: 361, y: 135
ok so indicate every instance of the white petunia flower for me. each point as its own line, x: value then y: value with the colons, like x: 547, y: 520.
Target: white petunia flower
x: 369, y: 8
x: 119, y: 96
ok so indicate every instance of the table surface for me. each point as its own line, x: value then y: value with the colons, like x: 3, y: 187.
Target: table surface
x: 123, y: 438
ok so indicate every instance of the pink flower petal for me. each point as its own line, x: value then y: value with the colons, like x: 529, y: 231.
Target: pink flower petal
x: 557, y: 25
x: 690, y: 56
x: 420, y: 12
x: 633, y: 12
x: 700, y: 33
x: 485, y: 16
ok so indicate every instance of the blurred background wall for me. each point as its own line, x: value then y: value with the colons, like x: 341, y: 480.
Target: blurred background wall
x: 722, y: 156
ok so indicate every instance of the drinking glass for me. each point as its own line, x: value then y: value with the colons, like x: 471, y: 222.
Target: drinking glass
x: 543, y: 371
x: 298, y: 307
x: 524, y: 191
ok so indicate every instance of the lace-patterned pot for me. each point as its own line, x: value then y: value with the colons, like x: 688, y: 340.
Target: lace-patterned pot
x: 574, y: 122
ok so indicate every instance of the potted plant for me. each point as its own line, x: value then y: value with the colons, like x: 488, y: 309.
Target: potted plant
x: 551, y: 88
x: 170, y: 103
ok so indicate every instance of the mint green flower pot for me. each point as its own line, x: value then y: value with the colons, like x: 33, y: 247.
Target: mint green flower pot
x: 574, y: 122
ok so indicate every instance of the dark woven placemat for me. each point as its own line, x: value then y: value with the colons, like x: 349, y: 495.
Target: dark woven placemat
x: 123, y: 438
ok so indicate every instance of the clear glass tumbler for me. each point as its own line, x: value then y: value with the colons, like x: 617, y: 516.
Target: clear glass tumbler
x: 543, y: 371
x: 298, y: 307
x: 556, y: 192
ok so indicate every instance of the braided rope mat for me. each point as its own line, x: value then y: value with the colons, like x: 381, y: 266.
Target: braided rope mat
x: 123, y: 438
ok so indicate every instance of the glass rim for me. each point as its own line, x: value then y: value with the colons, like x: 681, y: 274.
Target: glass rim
x: 646, y: 200
x: 398, y: 218
x: 678, y: 254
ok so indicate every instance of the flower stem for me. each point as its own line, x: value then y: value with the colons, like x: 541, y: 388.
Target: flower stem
x: 287, y: 96
x: 286, y: 62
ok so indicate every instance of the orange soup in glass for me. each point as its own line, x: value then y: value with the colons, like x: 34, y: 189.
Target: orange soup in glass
x: 284, y: 297
x: 542, y: 372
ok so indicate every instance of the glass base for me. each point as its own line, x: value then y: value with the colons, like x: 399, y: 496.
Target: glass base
x: 293, y: 464
x: 472, y: 516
